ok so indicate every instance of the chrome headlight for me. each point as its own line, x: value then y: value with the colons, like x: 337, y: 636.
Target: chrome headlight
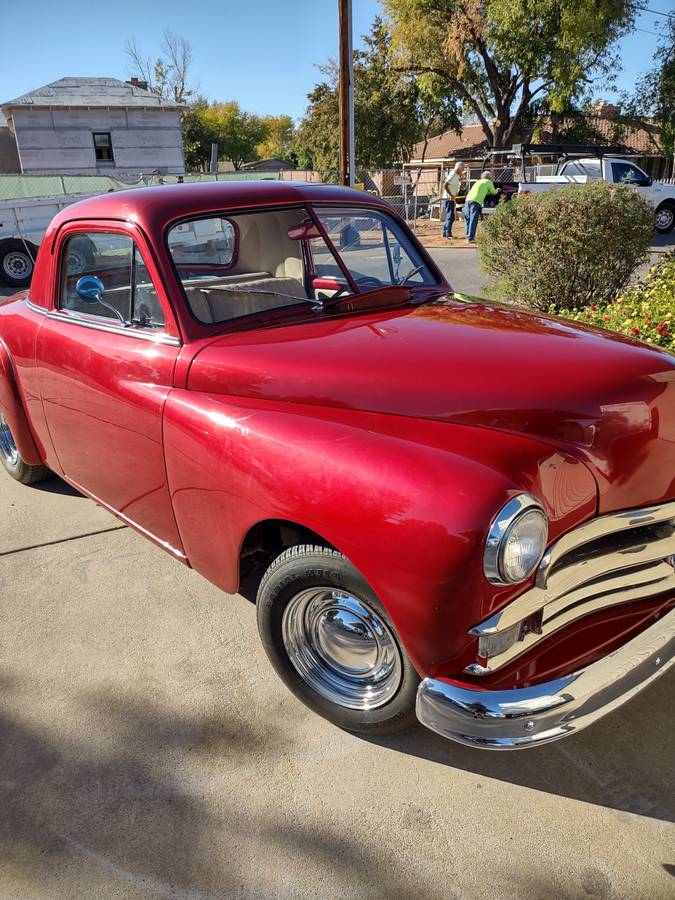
x: 516, y: 541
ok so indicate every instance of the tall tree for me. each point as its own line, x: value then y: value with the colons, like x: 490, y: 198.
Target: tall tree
x: 279, y: 137
x: 169, y: 74
x: 236, y: 132
x: 654, y: 94
x: 392, y: 110
x: 500, y: 57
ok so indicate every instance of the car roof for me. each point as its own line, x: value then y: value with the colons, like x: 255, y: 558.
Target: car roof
x: 154, y: 207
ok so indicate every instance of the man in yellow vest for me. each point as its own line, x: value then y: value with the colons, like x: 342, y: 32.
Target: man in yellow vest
x: 474, y: 203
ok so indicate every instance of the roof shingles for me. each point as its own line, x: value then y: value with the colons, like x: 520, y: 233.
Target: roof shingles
x: 88, y: 92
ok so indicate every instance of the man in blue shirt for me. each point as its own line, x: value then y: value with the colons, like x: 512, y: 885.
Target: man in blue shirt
x: 451, y: 187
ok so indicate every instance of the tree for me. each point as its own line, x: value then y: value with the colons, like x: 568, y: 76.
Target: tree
x: 169, y: 74
x: 392, y: 109
x: 236, y: 132
x: 197, y: 136
x: 279, y: 137
x: 654, y: 94
x: 501, y: 57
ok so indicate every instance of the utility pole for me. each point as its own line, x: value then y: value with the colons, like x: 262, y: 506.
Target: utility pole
x: 346, y: 93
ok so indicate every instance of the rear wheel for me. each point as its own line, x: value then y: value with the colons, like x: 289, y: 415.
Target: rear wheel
x: 81, y: 255
x: 333, y: 644
x: 10, y: 458
x: 665, y: 217
x: 16, y: 263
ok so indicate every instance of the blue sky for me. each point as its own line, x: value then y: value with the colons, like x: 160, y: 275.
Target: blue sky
x: 262, y: 53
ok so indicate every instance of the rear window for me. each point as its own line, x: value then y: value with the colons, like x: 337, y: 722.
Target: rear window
x: 590, y: 167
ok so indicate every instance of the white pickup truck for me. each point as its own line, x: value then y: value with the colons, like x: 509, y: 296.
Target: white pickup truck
x: 616, y: 171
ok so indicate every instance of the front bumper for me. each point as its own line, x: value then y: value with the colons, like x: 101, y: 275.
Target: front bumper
x: 527, y: 717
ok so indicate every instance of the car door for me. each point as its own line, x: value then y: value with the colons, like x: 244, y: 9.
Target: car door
x: 103, y: 383
x: 630, y: 174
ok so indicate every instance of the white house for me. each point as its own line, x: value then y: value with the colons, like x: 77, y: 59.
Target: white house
x: 95, y: 126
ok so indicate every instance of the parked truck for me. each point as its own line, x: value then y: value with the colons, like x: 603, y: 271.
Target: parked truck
x: 580, y: 165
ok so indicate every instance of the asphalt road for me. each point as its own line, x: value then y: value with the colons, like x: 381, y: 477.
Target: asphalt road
x: 147, y: 749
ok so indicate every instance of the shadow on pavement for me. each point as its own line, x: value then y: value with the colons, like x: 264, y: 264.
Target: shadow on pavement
x: 623, y: 761
x: 56, y: 485
x: 126, y: 806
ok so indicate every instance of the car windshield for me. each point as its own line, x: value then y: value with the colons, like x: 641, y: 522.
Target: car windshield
x: 232, y: 266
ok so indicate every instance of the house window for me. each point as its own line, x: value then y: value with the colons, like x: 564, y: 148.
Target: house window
x: 103, y: 146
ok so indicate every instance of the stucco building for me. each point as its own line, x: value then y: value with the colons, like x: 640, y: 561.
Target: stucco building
x: 95, y: 126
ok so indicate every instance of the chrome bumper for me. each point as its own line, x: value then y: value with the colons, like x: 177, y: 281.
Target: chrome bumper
x: 527, y: 717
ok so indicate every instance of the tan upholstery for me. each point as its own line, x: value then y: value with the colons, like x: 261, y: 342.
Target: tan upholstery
x: 267, y: 260
x: 218, y: 304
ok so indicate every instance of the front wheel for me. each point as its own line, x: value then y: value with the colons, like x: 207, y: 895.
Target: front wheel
x: 332, y: 643
x: 665, y: 217
x: 11, y: 459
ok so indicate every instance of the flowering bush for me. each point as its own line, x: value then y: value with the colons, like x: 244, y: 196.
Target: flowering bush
x: 571, y: 247
x: 646, y: 312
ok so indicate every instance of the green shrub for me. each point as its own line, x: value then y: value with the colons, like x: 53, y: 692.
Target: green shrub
x: 570, y: 248
x: 646, y: 312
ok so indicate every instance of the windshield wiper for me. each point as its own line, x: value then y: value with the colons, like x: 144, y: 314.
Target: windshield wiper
x: 410, y: 274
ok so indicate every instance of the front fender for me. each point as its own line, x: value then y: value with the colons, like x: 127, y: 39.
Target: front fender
x: 408, y: 501
x: 11, y: 407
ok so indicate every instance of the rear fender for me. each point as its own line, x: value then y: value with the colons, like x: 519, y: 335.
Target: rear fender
x: 11, y: 407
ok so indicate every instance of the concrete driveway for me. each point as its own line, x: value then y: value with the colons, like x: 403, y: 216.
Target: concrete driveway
x: 147, y: 749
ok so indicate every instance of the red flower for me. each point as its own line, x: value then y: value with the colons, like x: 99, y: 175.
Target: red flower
x: 594, y: 307
x: 606, y: 318
x: 635, y: 330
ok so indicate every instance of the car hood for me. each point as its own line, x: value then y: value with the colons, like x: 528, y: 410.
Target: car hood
x: 603, y: 397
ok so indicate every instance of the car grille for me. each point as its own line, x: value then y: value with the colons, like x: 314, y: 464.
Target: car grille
x: 607, y: 562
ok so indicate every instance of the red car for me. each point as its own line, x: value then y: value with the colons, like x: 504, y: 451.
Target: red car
x: 453, y: 510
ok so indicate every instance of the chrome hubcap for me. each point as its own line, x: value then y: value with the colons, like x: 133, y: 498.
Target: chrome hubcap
x: 342, y: 648
x: 17, y: 264
x: 664, y: 218
x: 8, y: 449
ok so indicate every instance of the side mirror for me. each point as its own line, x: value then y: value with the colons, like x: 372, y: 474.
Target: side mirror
x: 90, y: 289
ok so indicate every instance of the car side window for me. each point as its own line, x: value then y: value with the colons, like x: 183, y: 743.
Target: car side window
x: 625, y: 173
x: 117, y: 262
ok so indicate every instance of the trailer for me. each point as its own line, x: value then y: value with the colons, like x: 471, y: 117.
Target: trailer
x: 23, y: 222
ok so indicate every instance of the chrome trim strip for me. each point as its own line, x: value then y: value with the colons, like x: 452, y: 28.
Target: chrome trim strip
x: 165, y: 545
x: 613, y: 523
x: 528, y: 717
x: 168, y: 339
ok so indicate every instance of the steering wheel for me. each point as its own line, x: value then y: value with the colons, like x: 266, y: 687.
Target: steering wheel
x: 366, y: 280
x: 363, y: 280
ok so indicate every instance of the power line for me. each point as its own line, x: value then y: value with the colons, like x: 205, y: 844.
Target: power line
x: 644, y: 31
x: 655, y: 12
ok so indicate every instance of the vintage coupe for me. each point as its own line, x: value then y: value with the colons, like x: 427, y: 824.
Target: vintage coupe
x: 454, y: 510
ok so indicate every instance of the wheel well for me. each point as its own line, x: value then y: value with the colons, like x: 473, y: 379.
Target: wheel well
x: 265, y: 541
